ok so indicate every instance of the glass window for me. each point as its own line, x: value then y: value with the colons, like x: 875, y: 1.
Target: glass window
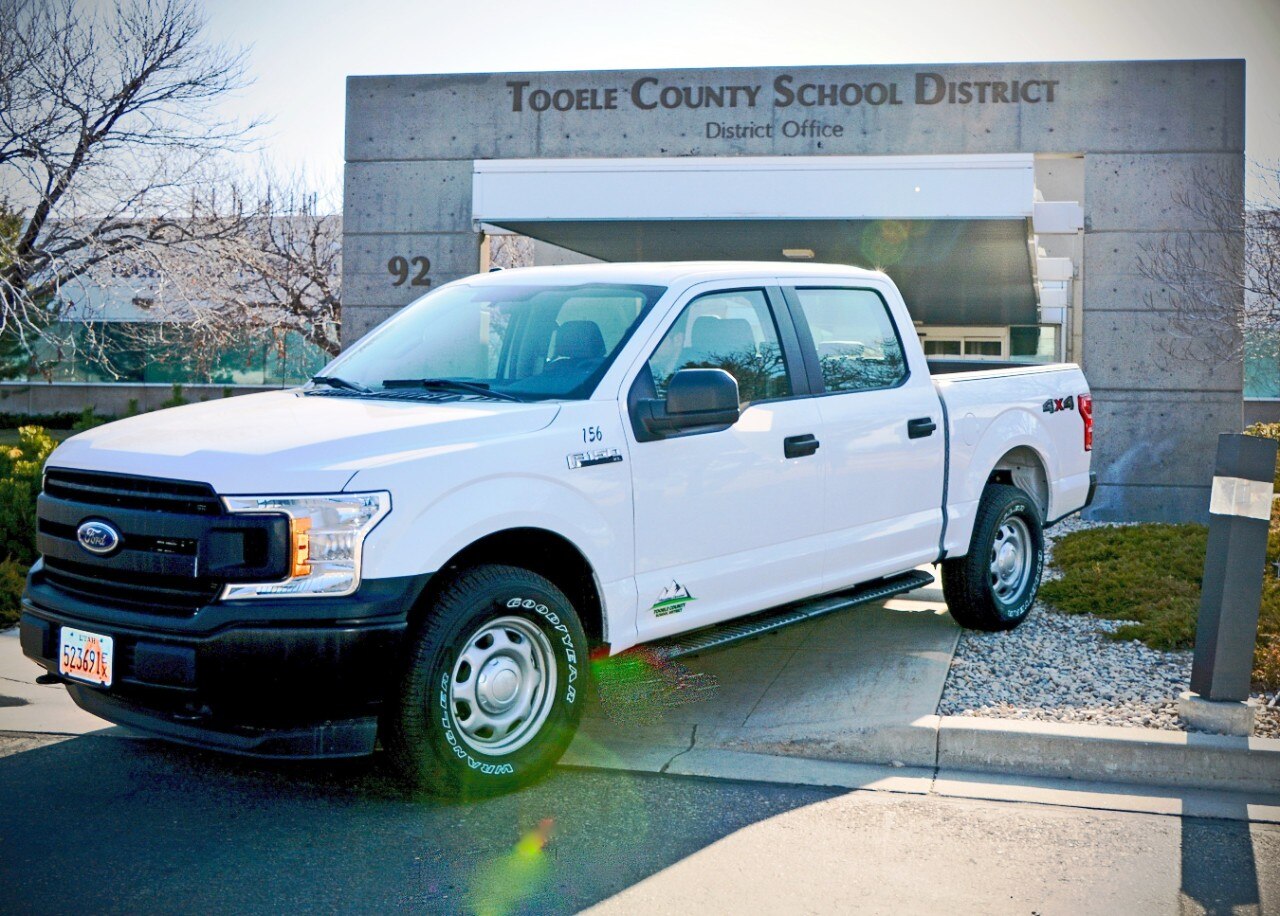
x: 978, y: 347
x: 733, y: 331
x: 941, y: 347
x: 1039, y: 344
x: 531, y: 342
x: 858, y: 348
x: 1261, y: 363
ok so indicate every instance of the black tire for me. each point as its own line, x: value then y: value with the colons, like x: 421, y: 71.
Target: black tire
x: 431, y: 735
x: 977, y: 595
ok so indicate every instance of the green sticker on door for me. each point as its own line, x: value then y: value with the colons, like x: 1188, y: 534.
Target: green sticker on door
x: 672, y: 600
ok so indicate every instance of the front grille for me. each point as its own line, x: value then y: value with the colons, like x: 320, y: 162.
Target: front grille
x: 124, y: 492
x: 170, y: 595
x: 157, y: 568
x: 178, y: 546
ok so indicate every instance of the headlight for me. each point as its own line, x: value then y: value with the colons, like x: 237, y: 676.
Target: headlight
x: 326, y: 534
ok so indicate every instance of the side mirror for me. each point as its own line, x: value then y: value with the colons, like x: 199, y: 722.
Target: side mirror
x: 695, y: 397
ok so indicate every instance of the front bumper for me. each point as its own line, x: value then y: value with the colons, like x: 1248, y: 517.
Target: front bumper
x: 274, y: 678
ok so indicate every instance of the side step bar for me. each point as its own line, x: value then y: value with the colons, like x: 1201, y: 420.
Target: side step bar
x: 766, y: 621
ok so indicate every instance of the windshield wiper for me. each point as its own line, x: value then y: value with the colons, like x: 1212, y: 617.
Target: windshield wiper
x: 334, y: 382
x: 449, y: 384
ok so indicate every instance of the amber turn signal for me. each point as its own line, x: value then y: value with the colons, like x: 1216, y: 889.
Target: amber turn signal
x: 300, y: 544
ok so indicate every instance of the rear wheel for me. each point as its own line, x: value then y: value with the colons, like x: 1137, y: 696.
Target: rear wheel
x: 993, y: 587
x: 492, y: 690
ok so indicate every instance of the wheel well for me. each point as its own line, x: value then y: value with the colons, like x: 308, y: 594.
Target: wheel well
x: 537, y: 550
x: 1021, y: 467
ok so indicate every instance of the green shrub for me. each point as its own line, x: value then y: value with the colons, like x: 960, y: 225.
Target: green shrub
x: 20, y: 468
x: 1151, y: 575
x: 13, y: 577
x: 89, y: 419
x: 65, y: 420
x: 177, y: 400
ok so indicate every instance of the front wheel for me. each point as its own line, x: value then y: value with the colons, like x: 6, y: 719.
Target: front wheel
x: 993, y: 587
x: 492, y: 689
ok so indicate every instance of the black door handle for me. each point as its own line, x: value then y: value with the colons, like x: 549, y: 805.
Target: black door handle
x: 920, y: 427
x: 799, y: 446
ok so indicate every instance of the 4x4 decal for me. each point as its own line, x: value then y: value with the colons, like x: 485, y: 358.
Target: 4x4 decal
x: 1053, y: 405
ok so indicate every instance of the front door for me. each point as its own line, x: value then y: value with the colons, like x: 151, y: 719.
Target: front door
x: 725, y: 522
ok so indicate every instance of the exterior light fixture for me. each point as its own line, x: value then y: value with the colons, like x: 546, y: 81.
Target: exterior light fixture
x: 798, y: 254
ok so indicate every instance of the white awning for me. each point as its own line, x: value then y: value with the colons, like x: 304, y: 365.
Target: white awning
x: 957, y: 233
x: 768, y: 187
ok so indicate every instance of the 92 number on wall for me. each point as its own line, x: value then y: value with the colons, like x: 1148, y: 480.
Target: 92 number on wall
x: 416, y: 275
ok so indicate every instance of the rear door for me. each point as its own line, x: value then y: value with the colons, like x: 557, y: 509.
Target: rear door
x: 727, y: 520
x: 883, y: 447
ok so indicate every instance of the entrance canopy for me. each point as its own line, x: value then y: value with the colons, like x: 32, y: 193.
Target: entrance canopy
x: 955, y: 232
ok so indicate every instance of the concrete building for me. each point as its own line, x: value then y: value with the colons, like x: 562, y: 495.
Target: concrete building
x: 1010, y: 202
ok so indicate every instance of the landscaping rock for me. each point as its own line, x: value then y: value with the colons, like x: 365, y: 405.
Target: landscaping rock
x: 1063, y: 668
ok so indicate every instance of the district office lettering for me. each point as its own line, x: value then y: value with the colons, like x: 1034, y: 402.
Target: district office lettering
x: 649, y: 93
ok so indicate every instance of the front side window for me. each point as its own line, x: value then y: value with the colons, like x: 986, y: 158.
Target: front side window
x: 733, y: 331
x: 521, y: 342
x: 858, y: 348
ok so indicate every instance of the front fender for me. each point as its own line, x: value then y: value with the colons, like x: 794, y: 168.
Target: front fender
x: 425, y: 540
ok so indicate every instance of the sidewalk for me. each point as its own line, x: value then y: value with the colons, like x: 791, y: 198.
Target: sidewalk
x: 852, y: 686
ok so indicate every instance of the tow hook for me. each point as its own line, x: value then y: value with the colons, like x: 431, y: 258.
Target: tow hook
x: 46, y: 680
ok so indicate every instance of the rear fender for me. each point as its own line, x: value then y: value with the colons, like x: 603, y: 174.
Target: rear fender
x: 972, y: 466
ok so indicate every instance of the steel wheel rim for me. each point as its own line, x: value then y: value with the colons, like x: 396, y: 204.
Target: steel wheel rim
x: 503, y: 685
x: 1011, y: 554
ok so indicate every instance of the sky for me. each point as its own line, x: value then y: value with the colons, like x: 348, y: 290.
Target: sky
x: 301, y: 51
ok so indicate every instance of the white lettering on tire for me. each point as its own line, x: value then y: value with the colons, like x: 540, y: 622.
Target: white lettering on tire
x: 488, y: 769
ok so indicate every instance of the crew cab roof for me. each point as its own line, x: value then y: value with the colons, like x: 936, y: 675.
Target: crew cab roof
x: 668, y: 273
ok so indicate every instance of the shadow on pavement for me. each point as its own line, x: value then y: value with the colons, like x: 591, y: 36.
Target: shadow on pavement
x: 139, y: 826
x: 1219, y: 868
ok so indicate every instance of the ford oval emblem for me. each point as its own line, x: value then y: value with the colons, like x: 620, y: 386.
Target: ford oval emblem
x: 98, y: 537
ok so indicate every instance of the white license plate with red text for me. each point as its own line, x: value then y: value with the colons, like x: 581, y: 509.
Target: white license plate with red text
x: 86, y: 656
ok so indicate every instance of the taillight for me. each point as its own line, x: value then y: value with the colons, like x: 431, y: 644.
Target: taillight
x: 1085, y: 403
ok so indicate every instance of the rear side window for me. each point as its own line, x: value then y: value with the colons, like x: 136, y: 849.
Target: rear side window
x: 733, y: 331
x: 858, y: 347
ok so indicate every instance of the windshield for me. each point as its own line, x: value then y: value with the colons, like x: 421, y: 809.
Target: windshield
x: 522, y: 342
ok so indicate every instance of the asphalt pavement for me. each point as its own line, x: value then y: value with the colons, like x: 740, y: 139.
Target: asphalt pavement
x: 103, y: 825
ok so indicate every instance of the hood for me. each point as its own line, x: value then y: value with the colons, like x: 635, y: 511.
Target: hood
x: 286, y: 442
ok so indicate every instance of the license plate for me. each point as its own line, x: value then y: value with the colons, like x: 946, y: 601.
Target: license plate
x: 86, y: 656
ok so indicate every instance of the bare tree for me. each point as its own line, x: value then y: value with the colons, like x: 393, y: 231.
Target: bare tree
x: 279, y: 271
x: 508, y: 251
x: 1221, y: 280
x: 107, y: 142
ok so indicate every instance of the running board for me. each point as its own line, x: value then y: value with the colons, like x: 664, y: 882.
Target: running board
x: 737, y: 630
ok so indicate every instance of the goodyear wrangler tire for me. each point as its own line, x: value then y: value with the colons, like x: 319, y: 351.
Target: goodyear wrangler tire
x: 993, y: 587
x: 493, y: 687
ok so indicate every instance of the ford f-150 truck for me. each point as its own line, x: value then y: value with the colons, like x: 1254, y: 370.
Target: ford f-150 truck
x: 521, y: 471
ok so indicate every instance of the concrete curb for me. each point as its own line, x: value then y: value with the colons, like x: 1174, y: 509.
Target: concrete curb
x: 1096, y: 752
x: 1008, y: 747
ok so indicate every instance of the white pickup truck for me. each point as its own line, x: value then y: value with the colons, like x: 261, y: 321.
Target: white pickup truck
x: 524, y: 470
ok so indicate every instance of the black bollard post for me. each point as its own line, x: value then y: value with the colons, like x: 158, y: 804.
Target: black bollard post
x: 1231, y: 591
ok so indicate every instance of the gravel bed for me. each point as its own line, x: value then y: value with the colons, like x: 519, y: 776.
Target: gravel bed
x: 1063, y: 668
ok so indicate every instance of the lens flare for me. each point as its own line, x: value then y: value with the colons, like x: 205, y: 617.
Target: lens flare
x: 636, y: 687
x: 499, y: 887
